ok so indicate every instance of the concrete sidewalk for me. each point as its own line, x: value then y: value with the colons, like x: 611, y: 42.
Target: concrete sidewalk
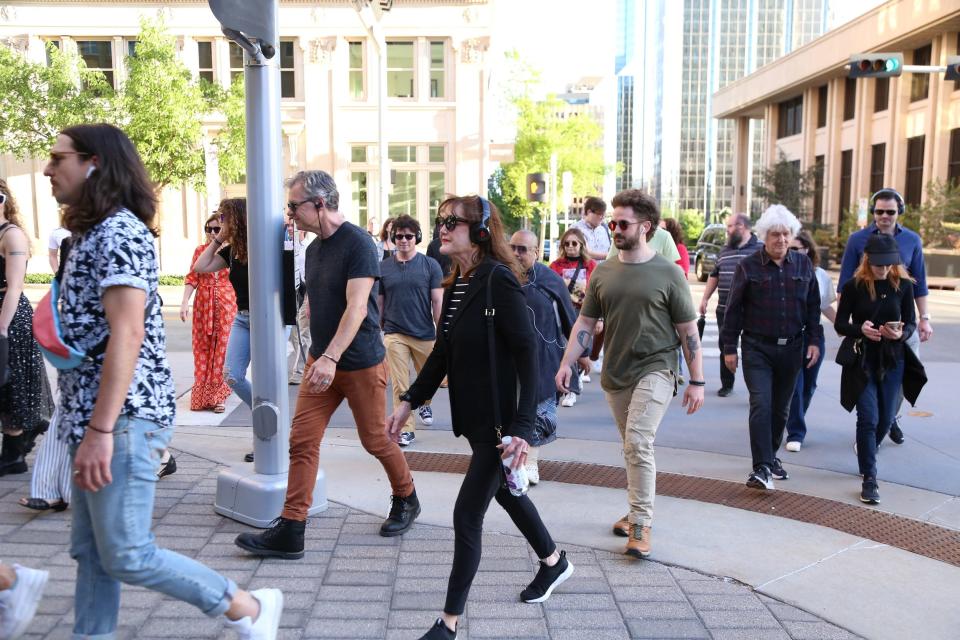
x: 354, y: 584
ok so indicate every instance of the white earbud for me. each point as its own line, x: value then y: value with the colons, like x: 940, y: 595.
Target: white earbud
x: 90, y: 170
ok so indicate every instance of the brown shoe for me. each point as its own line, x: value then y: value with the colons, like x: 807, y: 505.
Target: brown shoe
x: 638, y: 545
x: 622, y: 527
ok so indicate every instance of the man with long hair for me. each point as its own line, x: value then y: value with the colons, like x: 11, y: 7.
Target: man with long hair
x: 117, y: 408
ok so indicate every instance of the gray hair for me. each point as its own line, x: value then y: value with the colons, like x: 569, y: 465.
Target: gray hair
x: 777, y: 216
x: 317, y: 184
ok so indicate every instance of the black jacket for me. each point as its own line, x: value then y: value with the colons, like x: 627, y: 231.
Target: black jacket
x: 462, y: 355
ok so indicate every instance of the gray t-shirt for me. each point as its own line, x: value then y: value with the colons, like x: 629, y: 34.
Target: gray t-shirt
x: 406, y: 287
x: 345, y: 255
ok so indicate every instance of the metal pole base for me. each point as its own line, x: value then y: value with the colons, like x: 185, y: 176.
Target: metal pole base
x: 256, y: 499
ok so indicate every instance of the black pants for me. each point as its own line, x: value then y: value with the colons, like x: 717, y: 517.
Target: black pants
x: 770, y: 372
x: 480, y: 485
x: 726, y: 376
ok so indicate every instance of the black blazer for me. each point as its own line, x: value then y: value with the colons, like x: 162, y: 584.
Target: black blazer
x: 462, y: 355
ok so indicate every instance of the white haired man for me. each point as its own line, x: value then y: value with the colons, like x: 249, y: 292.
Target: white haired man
x: 774, y: 300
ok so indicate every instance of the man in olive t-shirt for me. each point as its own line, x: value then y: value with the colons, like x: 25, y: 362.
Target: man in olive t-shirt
x: 647, y: 311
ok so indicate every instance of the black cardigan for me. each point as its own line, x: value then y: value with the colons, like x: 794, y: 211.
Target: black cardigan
x: 462, y: 355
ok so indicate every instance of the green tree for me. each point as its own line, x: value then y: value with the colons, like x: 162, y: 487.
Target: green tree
x: 231, y: 142
x: 939, y: 214
x: 161, y: 107
x: 37, y: 100
x: 784, y: 183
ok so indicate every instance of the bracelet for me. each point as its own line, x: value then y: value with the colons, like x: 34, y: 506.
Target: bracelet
x: 329, y: 357
x: 93, y: 428
x: 698, y: 383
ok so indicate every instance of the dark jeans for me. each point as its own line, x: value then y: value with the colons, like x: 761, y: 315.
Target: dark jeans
x: 480, y: 485
x: 803, y: 394
x: 876, y: 409
x: 770, y: 372
x: 726, y: 376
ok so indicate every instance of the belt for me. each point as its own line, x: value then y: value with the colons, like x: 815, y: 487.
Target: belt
x: 243, y: 312
x: 780, y: 342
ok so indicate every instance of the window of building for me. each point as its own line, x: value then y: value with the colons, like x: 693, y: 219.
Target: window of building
x: 846, y: 179
x: 55, y: 44
x: 358, y: 182
x: 956, y: 83
x: 878, y: 159
x: 205, y: 60
x: 437, y: 69
x: 400, y: 70
x: 953, y: 159
x: 849, y: 99
x: 820, y: 166
x: 358, y: 153
x: 790, y: 122
x: 356, y: 75
x: 236, y: 61
x: 822, y: 94
x: 920, y: 82
x: 881, y: 95
x: 288, y: 79
x: 98, y: 56
x: 438, y: 189
x: 437, y: 153
x: 402, y: 153
x: 403, y: 199
x: 914, y: 189
x: 132, y: 48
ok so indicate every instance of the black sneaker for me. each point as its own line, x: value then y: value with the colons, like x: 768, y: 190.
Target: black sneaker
x: 403, y: 511
x: 548, y: 578
x: 723, y: 392
x: 760, y: 479
x: 439, y: 631
x: 284, y: 539
x: 896, y: 433
x: 870, y: 493
x: 167, y: 467
x: 777, y: 470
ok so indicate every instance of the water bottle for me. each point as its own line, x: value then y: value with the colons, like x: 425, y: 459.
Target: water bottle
x: 517, y: 480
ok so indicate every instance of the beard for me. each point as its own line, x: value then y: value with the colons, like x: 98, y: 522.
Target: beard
x: 626, y: 243
x: 735, y: 239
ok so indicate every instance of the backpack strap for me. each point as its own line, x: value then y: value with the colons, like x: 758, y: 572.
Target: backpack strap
x: 576, y: 274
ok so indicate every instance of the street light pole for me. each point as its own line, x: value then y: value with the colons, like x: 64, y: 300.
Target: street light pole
x: 256, y: 496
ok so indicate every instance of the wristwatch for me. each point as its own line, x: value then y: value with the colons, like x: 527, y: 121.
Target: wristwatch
x: 926, y: 317
x: 405, y: 397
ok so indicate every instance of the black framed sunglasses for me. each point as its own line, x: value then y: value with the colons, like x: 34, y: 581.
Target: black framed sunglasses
x: 293, y: 205
x: 571, y: 243
x: 623, y: 224
x: 405, y: 236
x: 520, y: 248
x: 449, y: 222
x: 210, y: 229
x: 885, y: 212
x: 3, y: 198
x: 798, y: 249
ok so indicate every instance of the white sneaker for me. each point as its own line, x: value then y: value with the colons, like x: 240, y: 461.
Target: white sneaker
x: 267, y: 623
x: 19, y: 604
x: 569, y: 399
x: 533, y: 474
x: 585, y: 378
x: 793, y: 445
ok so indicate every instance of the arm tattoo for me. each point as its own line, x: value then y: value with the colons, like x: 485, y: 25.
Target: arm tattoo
x: 584, y: 339
x: 693, y: 345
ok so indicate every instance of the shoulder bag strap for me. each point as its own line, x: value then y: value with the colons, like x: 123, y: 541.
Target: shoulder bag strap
x: 489, y: 312
x: 576, y: 274
x: 101, y: 347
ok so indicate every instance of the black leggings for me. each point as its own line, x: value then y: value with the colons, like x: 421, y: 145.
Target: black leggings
x: 480, y: 485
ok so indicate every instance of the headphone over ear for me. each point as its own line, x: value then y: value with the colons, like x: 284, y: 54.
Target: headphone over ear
x: 886, y: 194
x: 479, y: 231
x: 393, y: 235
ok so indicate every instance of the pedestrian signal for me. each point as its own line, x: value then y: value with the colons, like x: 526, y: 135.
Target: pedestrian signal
x: 536, y: 187
x: 876, y: 65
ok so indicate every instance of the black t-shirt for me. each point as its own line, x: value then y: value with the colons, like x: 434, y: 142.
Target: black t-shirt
x: 239, y: 278
x: 349, y: 253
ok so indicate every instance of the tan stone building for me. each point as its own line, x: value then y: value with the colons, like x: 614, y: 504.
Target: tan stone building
x: 868, y: 133
x: 438, y: 123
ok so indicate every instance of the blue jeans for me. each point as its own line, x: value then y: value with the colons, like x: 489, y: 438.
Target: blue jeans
x: 112, y: 543
x: 803, y: 394
x: 237, y: 362
x: 876, y: 409
x: 770, y: 372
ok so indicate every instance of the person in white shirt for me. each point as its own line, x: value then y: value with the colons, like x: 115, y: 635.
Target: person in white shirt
x: 57, y: 236
x: 596, y: 233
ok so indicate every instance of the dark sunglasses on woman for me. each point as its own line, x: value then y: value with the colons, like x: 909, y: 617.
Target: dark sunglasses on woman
x: 212, y: 229
x: 450, y: 222
x: 571, y: 243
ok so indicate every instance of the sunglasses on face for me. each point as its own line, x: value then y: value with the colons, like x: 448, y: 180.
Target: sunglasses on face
x: 520, y: 248
x: 803, y: 249
x: 449, y: 222
x: 405, y: 236
x: 57, y: 156
x: 293, y: 205
x: 209, y: 229
x: 571, y: 243
x: 3, y: 198
x: 623, y: 224
x: 885, y: 212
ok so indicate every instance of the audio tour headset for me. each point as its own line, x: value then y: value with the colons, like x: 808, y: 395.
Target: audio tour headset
x: 887, y: 193
x: 480, y: 231
x: 393, y: 235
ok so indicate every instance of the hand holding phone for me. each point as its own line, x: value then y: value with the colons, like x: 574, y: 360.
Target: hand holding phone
x: 895, y: 325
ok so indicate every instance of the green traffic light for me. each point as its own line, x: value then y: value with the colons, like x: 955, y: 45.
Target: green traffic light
x: 892, y: 64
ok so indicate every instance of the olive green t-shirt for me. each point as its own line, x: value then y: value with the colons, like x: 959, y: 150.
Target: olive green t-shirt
x: 639, y: 304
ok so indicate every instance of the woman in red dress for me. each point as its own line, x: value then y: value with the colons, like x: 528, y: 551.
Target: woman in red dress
x: 213, y: 312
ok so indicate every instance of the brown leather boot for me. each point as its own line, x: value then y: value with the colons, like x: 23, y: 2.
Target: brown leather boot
x: 638, y: 545
x: 622, y: 527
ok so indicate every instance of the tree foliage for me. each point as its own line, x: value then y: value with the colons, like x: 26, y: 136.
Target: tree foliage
x: 939, y: 215
x: 784, y: 183
x: 231, y: 142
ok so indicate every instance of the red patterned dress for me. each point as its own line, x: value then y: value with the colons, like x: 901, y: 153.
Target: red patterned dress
x: 214, y: 307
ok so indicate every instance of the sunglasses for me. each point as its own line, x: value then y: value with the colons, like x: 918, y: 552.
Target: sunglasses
x: 885, y: 212
x: 212, y: 229
x: 404, y: 236
x: 449, y: 222
x: 3, y: 198
x: 803, y: 249
x: 57, y: 156
x: 293, y: 205
x: 623, y: 224
x: 571, y: 243
x: 520, y: 248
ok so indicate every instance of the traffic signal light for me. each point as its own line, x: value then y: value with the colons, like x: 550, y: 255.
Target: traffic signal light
x: 876, y: 65
x: 953, y: 68
x: 536, y: 187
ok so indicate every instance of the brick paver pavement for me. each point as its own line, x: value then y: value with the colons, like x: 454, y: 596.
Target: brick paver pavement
x: 354, y: 584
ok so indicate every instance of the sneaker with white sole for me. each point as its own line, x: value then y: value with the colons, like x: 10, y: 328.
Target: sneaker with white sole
x: 548, y: 579
x: 585, y: 378
x: 426, y: 415
x: 19, y: 603
x: 794, y: 446
x: 533, y: 474
x: 267, y: 623
x: 761, y: 478
x: 568, y: 400
x: 407, y: 438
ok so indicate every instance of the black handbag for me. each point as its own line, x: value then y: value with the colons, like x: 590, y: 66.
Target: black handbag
x: 4, y: 360
x: 850, y: 352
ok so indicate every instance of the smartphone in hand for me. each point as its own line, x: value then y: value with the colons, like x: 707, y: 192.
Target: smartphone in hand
x: 894, y: 325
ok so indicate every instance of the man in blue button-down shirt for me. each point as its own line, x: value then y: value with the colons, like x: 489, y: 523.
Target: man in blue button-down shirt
x: 886, y: 206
